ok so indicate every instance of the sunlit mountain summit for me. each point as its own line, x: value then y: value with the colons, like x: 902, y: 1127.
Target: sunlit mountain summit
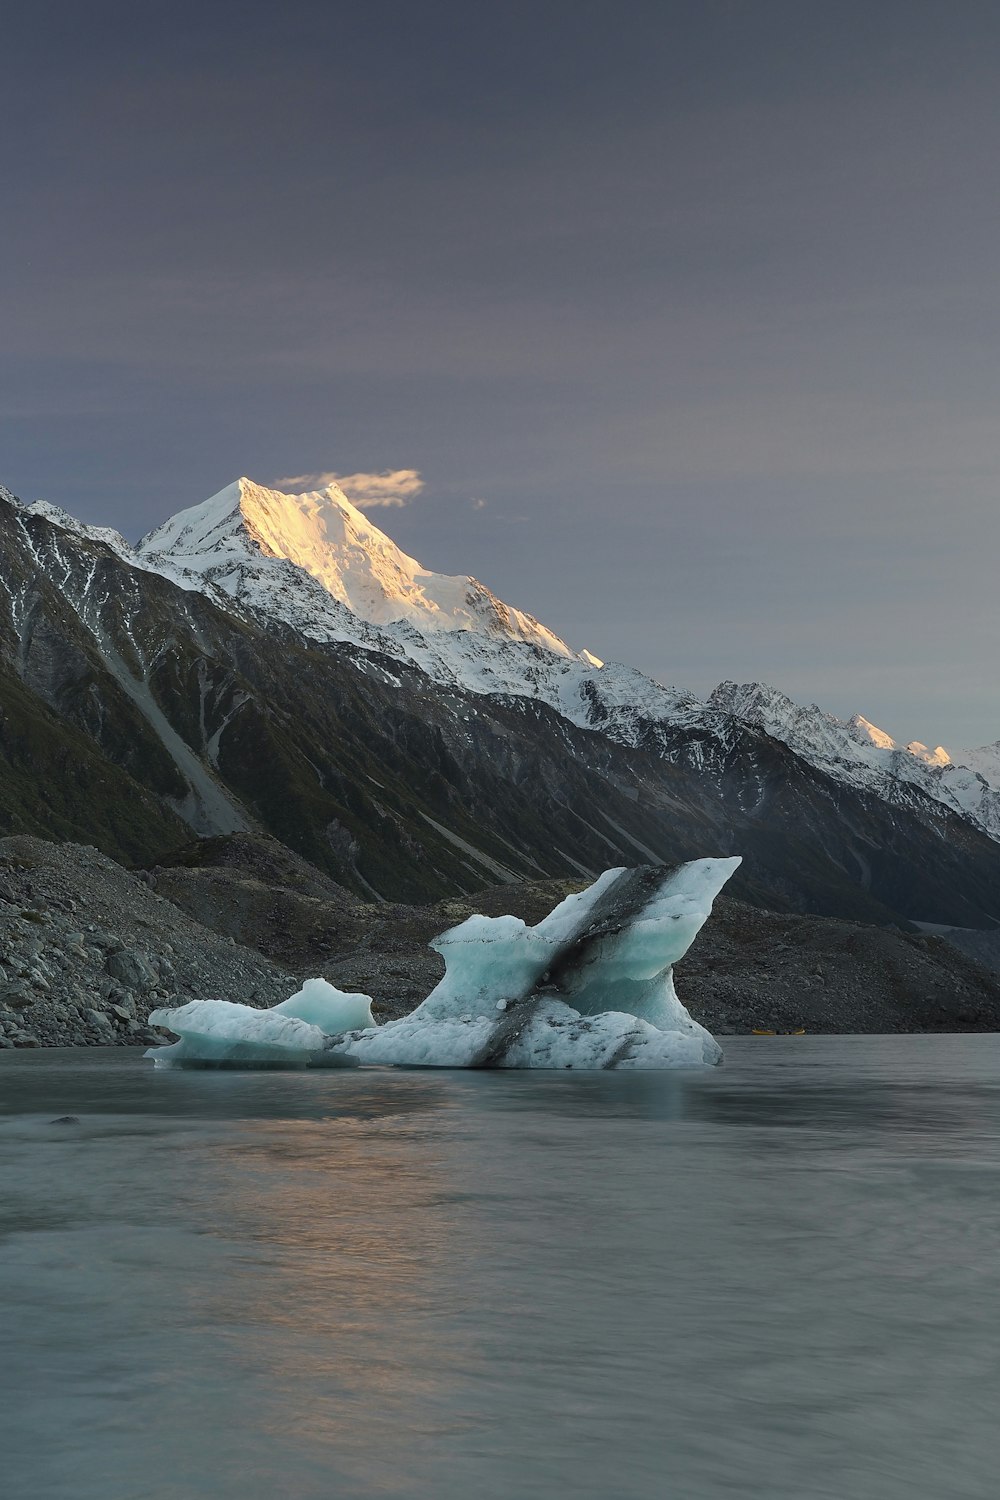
x: 235, y: 538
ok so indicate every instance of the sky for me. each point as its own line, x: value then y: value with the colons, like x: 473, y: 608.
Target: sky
x: 685, y: 315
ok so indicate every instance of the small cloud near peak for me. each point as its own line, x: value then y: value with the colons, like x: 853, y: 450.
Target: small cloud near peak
x: 389, y: 488
x: 479, y: 504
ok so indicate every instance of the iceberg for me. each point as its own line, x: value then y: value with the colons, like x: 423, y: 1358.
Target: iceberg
x: 294, y: 1034
x: 590, y: 986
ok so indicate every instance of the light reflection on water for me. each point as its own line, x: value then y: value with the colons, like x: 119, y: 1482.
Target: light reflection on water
x: 775, y: 1279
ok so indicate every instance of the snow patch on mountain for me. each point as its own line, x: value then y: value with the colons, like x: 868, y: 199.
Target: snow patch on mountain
x: 985, y: 762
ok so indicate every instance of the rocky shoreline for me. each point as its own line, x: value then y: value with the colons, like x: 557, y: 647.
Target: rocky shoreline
x: 88, y: 949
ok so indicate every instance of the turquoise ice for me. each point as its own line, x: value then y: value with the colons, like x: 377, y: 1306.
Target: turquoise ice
x: 590, y: 986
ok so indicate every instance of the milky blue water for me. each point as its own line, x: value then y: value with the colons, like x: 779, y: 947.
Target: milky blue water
x: 780, y: 1278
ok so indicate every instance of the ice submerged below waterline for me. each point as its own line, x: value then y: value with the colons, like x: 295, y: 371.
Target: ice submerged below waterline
x: 591, y: 986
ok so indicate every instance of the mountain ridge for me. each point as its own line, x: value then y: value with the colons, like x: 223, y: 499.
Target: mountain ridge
x: 405, y: 783
x: 324, y: 536
x: 858, y: 752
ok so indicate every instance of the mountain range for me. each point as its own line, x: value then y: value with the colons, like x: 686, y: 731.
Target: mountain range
x: 275, y: 662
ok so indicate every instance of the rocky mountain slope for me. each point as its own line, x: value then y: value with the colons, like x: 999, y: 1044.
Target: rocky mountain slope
x: 413, y: 757
x: 88, y: 949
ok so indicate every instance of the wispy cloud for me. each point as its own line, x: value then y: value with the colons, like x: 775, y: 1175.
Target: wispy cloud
x: 389, y: 488
x: 479, y: 504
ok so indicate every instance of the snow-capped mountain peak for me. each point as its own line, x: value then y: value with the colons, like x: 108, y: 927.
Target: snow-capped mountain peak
x: 866, y: 733
x: 936, y: 757
x: 63, y: 519
x: 328, y: 538
x: 319, y: 564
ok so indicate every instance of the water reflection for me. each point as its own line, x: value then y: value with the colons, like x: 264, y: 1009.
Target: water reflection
x: 352, y: 1238
x: 63, y: 1081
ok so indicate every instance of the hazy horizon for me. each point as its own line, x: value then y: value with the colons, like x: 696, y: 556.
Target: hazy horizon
x: 685, y: 314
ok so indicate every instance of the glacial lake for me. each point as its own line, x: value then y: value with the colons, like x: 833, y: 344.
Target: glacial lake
x: 779, y: 1278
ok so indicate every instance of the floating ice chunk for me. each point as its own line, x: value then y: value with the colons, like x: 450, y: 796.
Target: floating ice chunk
x: 489, y: 959
x: 218, y: 1032
x: 323, y: 1005
x: 590, y: 986
x: 610, y: 947
x: 294, y: 1034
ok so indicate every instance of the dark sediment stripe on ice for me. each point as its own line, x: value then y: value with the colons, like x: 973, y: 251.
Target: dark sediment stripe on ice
x: 619, y: 906
x: 617, y: 909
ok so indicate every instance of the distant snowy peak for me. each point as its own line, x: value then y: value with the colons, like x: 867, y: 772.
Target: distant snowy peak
x: 857, y: 752
x: 864, y: 732
x: 984, y: 762
x: 316, y: 563
x: 226, y: 538
x: 66, y: 522
x: 816, y: 730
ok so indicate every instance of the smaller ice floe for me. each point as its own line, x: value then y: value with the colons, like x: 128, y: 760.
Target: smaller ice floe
x: 591, y: 986
x: 294, y: 1034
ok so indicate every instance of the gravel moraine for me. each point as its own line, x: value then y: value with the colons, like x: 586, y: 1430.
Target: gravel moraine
x: 87, y: 950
